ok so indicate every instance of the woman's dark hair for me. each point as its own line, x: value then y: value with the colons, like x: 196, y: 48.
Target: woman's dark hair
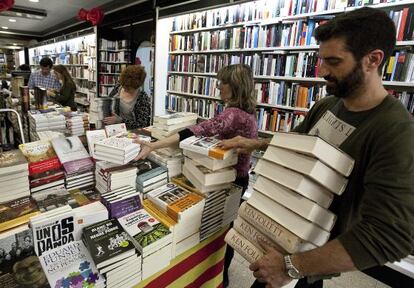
x: 67, y: 79
x: 363, y: 31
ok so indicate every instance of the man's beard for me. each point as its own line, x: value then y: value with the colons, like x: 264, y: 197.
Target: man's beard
x: 345, y: 87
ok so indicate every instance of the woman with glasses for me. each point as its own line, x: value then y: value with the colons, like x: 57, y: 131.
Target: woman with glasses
x: 236, y: 86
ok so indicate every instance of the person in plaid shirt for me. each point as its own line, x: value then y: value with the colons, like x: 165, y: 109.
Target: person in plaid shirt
x: 44, y: 78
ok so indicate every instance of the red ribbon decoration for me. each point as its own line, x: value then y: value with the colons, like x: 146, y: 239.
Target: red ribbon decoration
x: 95, y: 15
x: 6, y: 5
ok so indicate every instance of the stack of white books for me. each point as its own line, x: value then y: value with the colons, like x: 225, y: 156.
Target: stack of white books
x: 77, y: 123
x: 150, y: 176
x: 53, y: 121
x: 76, y: 162
x: 167, y: 125
x: 298, y: 177
x: 152, y: 239
x: 116, y: 150
x: 171, y: 158
x: 110, y: 176
x: 14, y: 176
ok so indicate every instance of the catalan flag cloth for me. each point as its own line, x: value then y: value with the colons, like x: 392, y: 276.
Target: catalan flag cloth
x: 200, y: 266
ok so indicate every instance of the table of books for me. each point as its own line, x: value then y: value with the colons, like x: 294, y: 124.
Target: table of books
x: 200, y: 266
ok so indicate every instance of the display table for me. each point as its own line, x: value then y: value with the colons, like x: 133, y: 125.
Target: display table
x: 200, y: 266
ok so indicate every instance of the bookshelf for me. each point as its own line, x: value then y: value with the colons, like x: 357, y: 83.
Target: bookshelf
x: 78, y: 55
x: 114, y: 56
x: 273, y: 38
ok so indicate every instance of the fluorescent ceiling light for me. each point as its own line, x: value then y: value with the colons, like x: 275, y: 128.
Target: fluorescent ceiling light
x: 4, y: 27
x: 34, y: 1
x: 12, y: 20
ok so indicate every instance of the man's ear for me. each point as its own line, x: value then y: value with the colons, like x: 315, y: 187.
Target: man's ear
x: 374, y: 59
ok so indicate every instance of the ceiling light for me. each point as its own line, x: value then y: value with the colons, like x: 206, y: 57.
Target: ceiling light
x: 35, y: 1
x: 12, y: 20
x: 4, y: 27
x: 19, y: 14
x: 15, y: 44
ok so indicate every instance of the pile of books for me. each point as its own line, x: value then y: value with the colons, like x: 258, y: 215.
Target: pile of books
x: 47, y: 135
x: 170, y: 158
x: 110, y: 176
x: 93, y: 136
x: 45, y: 170
x: 14, y: 176
x: 50, y: 121
x: 76, y: 162
x: 121, y: 201
x: 167, y: 125
x: 119, y: 150
x: 77, y: 123
x: 152, y: 239
x: 113, y: 253
x: 298, y: 177
x: 150, y: 175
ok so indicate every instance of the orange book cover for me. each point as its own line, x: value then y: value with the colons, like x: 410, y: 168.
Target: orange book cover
x: 182, y: 204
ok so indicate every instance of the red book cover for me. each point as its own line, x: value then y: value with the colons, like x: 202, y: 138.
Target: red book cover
x: 404, y: 15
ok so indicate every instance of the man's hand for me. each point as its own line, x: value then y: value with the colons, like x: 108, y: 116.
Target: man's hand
x: 111, y: 119
x: 51, y: 93
x: 270, y: 269
x: 241, y: 144
x: 146, y: 149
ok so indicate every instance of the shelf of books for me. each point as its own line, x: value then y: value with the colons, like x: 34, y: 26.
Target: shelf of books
x: 275, y: 39
x: 79, y: 56
x: 114, y: 56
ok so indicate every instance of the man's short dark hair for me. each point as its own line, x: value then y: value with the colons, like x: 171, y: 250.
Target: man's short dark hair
x: 46, y: 62
x: 363, y: 30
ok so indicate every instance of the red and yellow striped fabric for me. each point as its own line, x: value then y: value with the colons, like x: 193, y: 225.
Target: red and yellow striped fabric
x: 201, y: 266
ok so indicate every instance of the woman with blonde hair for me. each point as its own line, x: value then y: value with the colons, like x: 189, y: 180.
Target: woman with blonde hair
x: 66, y: 95
x: 132, y: 105
x: 236, y: 86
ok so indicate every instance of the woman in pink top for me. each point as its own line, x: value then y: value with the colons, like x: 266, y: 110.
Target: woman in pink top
x: 238, y: 119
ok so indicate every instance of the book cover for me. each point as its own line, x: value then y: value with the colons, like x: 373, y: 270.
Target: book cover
x: 115, y: 129
x: 243, y: 246
x: 53, y: 229
x: 92, y: 137
x: 41, y: 156
x: 12, y: 161
x: 19, y: 265
x: 107, y: 242
x: 175, y: 118
x: 17, y: 212
x: 205, y: 146
x: 146, y: 230
x: 70, y: 266
x: 51, y: 199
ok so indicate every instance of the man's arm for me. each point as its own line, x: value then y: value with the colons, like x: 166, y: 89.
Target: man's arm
x: 331, y: 258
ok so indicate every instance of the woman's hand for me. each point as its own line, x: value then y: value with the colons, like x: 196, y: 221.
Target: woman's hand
x: 111, y: 119
x: 241, y: 144
x: 146, y: 148
x: 51, y: 92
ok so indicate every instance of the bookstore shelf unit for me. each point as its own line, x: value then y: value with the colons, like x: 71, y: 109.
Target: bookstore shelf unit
x: 276, y: 42
x: 77, y: 52
x: 114, y: 56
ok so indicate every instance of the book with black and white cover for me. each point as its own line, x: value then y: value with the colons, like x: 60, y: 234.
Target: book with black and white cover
x: 295, y: 181
x: 309, y: 166
x: 212, y: 163
x: 296, y: 202
x: 147, y: 170
x: 316, y: 147
x: 72, y: 154
x: 147, y: 232
x: 208, y: 177
x: 51, y: 199
x: 92, y: 137
x: 207, y: 146
x: 53, y: 229
x: 107, y: 242
x: 71, y: 263
x: 19, y: 265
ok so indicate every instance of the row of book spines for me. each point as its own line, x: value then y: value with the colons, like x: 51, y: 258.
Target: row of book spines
x: 406, y: 98
x: 400, y: 67
x: 278, y: 121
x: 404, y: 22
x: 115, y: 45
x: 203, y: 107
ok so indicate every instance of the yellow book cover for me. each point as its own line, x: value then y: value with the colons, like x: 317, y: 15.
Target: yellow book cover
x: 183, y: 182
x: 157, y: 213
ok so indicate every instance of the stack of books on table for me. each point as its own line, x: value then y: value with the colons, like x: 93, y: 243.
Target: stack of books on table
x: 17, y: 212
x: 51, y: 121
x: 298, y: 177
x: 14, y: 176
x: 119, y: 150
x: 47, y: 135
x: 76, y: 162
x: 121, y: 201
x: 113, y: 253
x: 110, y: 176
x: 45, y: 170
x: 171, y: 158
x: 152, y: 238
x: 150, y: 175
x: 100, y: 107
x: 167, y: 125
x: 76, y: 267
x: 77, y: 123
x: 183, y: 206
x: 93, y: 136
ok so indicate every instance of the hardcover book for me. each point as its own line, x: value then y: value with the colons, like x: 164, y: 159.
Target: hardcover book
x: 115, y: 129
x: 17, y: 212
x: 41, y: 156
x: 175, y: 118
x: 205, y: 146
x: 92, y: 137
x: 12, y: 161
x: 71, y: 266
